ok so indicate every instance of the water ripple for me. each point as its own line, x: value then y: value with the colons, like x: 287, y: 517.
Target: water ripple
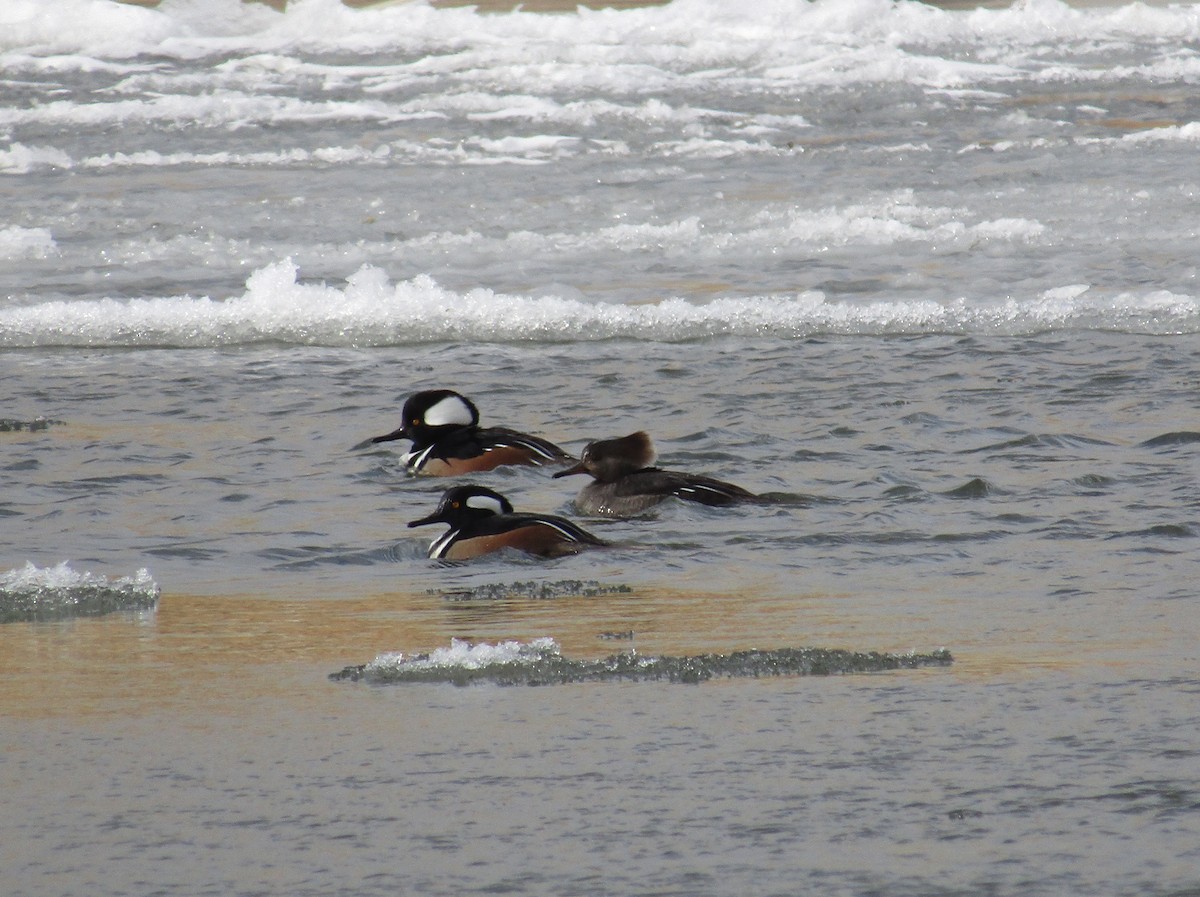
x: 1182, y: 437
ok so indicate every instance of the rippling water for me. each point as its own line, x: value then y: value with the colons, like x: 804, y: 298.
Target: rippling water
x: 1053, y: 463
x: 926, y: 278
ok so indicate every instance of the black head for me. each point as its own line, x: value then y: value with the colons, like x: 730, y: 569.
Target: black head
x: 431, y: 412
x: 608, y: 460
x: 464, y: 503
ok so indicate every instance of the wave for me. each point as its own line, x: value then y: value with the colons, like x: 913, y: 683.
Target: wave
x: 1169, y: 440
x: 34, y: 593
x: 577, y: 78
x: 20, y: 159
x: 711, y: 28
x: 539, y: 662
x: 17, y: 243
x: 371, y: 311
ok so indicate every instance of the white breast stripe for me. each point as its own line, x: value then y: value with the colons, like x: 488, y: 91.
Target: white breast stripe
x: 414, y: 461
x: 442, y: 544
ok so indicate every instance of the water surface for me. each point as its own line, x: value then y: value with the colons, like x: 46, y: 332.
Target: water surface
x: 925, y: 277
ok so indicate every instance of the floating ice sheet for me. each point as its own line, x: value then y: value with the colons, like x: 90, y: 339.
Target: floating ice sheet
x: 540, y: 662
x: 32, y: 593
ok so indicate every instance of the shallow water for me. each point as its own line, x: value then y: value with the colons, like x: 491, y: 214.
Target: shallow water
x: 1051, y: 554
x: 925, y: 278
x: 252, y: 774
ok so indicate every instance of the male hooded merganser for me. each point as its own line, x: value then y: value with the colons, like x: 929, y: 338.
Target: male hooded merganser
x: 482, y: 521
x: 447, y: 439
x: 625, y: 484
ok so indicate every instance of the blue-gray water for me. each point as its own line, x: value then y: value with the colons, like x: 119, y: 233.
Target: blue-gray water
x: 927, y: 278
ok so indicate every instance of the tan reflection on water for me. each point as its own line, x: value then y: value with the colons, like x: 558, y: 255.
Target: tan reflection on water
x: 230, y: 654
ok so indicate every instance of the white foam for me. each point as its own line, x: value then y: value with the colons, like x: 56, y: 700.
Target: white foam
x: 467, y: 656
x: 63, y: 578
x: 609, y: 61
x: 340, y: 155
x: 888, y: 220
x: 1189, y: 133
x: 213, y: 109
x: 371, y: 311
x: 836, y: 41
x: 53, y: 593
x: 894, y: 218
x: 26, y: 243
x: 80, y: 26
x: 21, y: 159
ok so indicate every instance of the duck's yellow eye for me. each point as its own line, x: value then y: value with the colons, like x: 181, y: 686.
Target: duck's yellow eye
x: 454, y: 505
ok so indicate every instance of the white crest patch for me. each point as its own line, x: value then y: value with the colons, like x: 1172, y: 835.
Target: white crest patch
x: 450, y: 410
x: 485, y: 503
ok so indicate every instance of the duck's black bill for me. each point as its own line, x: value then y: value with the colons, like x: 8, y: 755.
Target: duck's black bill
x: 391, y: 437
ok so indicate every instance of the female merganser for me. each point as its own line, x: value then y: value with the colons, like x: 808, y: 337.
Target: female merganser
x: 626, y: 485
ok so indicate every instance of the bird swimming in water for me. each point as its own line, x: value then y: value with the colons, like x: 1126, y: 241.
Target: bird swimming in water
x: 482, y: 520
x: 443, y: 426
x: 624, y: 484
